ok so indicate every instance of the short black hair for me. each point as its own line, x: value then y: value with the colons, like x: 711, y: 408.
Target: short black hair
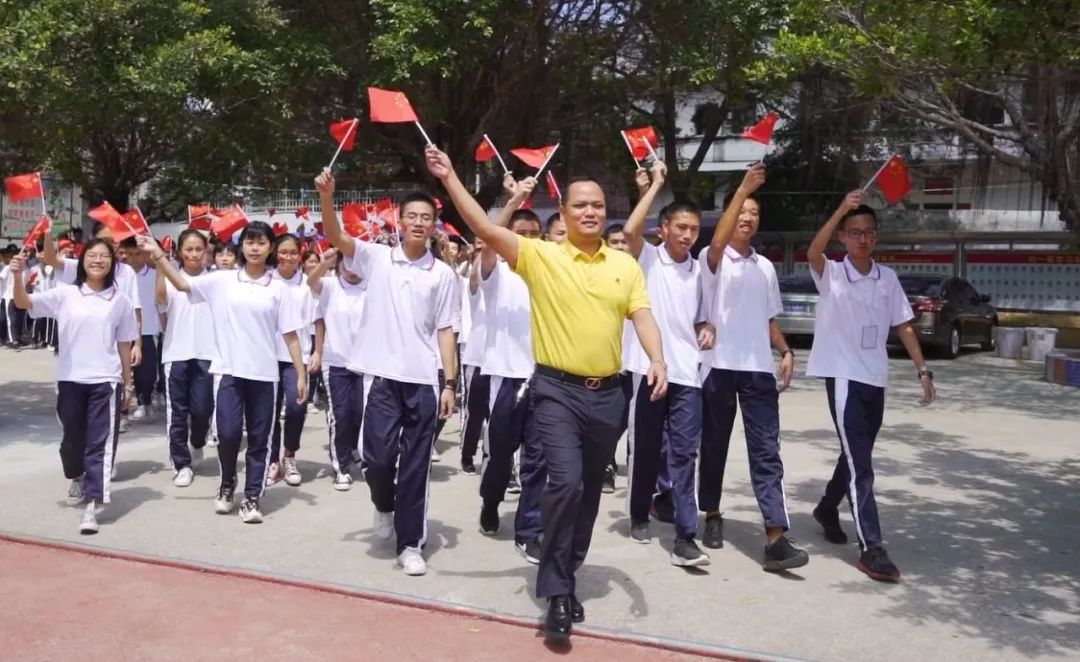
x: 80, y: 271
x: 258, y: 229
x: 581, y: 179
x: 861, y: 210
x: 613, y: 229
x: 523, y: 215
x: 679, y: 207
x: 130, y: 243
x: 418, y: 196
x: 288, y: 236
x: 551, y: 220
x: 731, y: 196
x: 186, y: 234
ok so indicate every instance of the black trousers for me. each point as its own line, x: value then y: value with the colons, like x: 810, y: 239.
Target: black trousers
x: 344, y: 414
x: 189, y: 404
x: 146, y: 373
x: 578, y: 429
x: 291, y: 425
x: 240, y: 402
x: 475, y: 411
x: 89, y: 416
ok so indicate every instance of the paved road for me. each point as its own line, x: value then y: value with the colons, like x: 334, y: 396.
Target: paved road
x: 977, y: 495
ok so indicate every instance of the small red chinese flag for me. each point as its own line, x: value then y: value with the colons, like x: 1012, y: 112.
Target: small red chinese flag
x: 24, y: 187
x: 107, y: 215
x: 229, y: 222
x: 450, y: 230
x: 485, y: 151
x: 280, y: 229
x: 353, y: 216
x: 893, y: 180
x: 552, y: 186
x: 640, y: 140
x: 345, y: 133
x: 167, y: 244
x: 39, y: 230
x: 197, y: 211
x: 390, y: 106
x: 137, y: 221
x: 302, y: 212
x: 763, y: 130
x: 533, y: 157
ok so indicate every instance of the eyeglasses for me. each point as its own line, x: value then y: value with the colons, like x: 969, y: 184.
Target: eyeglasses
x: 862, y: 234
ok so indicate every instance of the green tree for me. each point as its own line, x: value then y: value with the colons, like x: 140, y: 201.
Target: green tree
x: 1003, y: 75
x: 112, y: 93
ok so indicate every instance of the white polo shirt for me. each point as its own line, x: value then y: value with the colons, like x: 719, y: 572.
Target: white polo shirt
x: 854, y: 315
x: 466, y: 312
x: 407, y: 303
x: 189, y: 331
x: 746, y: 295
x: 341, y: 305
x: 124, y: 279
x: 675, y: 293
x: 146, y: 282
x: 250, y: 316
x: 7, y: 284
x: 89, y: 324
x: 305, y: 304
x: 509, y: 331
x: 476, y: 345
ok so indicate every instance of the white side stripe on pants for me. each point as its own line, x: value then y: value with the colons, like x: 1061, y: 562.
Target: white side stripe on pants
x: 840, y: 395
x: 331, y: 422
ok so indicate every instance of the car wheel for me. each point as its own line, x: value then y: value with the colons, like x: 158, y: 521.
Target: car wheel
x: 952, y: 346
x: 991, y: 342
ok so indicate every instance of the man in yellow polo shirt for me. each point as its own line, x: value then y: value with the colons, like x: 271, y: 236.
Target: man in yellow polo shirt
x: 581, y: 291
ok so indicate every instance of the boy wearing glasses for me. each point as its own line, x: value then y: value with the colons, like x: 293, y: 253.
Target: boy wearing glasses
x: 860, y: 301
x: 407, y: 325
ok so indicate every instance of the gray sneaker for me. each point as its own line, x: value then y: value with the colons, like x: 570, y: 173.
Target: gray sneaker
x: 89, y: 524
x: 75, y: 493
x: 639, y: 532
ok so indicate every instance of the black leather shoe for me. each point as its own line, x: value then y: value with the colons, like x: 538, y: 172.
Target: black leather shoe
x: 558, y: 623
x: 577, y: 610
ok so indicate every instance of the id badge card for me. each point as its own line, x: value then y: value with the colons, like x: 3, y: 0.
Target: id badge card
x: 869, y: 336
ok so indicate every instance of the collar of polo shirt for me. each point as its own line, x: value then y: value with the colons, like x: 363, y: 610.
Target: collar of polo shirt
x: 853, y: 274
x: 106, y: 293
x: 243, y: 277
x: 666, y: 258
x: 736, y: 256
x: 576, y: 253
x: 425, y: 261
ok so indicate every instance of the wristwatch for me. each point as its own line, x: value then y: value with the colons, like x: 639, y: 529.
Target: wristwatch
x: 926, y: 372
x: 786, y: 352
x: 450, y: 383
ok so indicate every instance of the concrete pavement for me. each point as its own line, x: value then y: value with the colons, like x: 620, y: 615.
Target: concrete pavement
x: 977, y: 496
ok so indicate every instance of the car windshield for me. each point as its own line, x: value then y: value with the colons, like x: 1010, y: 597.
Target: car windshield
x: 798, y: 284
x: 920, y: 286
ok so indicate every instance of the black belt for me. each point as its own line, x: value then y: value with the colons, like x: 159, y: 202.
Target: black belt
x: 591, y: 383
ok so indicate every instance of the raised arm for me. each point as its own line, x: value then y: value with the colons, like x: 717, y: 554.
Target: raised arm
x: 502, y: 240
x: 314, y: 279
x: 752, y: 181
x: 48, y: 254
x: 635, y: 225
x: 520, y: 192
x: 161, y: 294
x: 150, y: 246
x: 15, y: 269
x: 815, y: 255
x: 331, y: 227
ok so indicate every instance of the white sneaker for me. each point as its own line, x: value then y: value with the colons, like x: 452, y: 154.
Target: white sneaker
x: 435, y: 457
x: 139, y: 413
x: 412, y: 562
x: 250, y: 513
x: 292, y: 474
x: 184, y: 477
x: 75, y: 493
x: 273, y: 474
x: 125, y: 424
x: 224, y: 503
x: 211, y: 442
x: 343, y: 482
x: 89, y: 524
x: 196, y: 455
x: 383, y: 525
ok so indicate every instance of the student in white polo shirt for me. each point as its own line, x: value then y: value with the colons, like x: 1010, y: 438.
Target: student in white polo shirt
x: 673, y: 279
x: 745, y: 301
x: 288, y: 428
x: 341, y: 299
x: 508, y: 361
x: 860, y: 302
x: 410, y: 303
x: 477, y: 386
x: 188, y: 348
x: 146, y: 372
x: 250, y: 311
x: 125, y: 283
x: 96, y: 326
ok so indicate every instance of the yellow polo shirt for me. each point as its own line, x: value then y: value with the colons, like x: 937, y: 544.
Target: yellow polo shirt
x: 579, y: 304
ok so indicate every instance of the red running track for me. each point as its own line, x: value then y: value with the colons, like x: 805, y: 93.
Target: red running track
x: 64, y: 604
